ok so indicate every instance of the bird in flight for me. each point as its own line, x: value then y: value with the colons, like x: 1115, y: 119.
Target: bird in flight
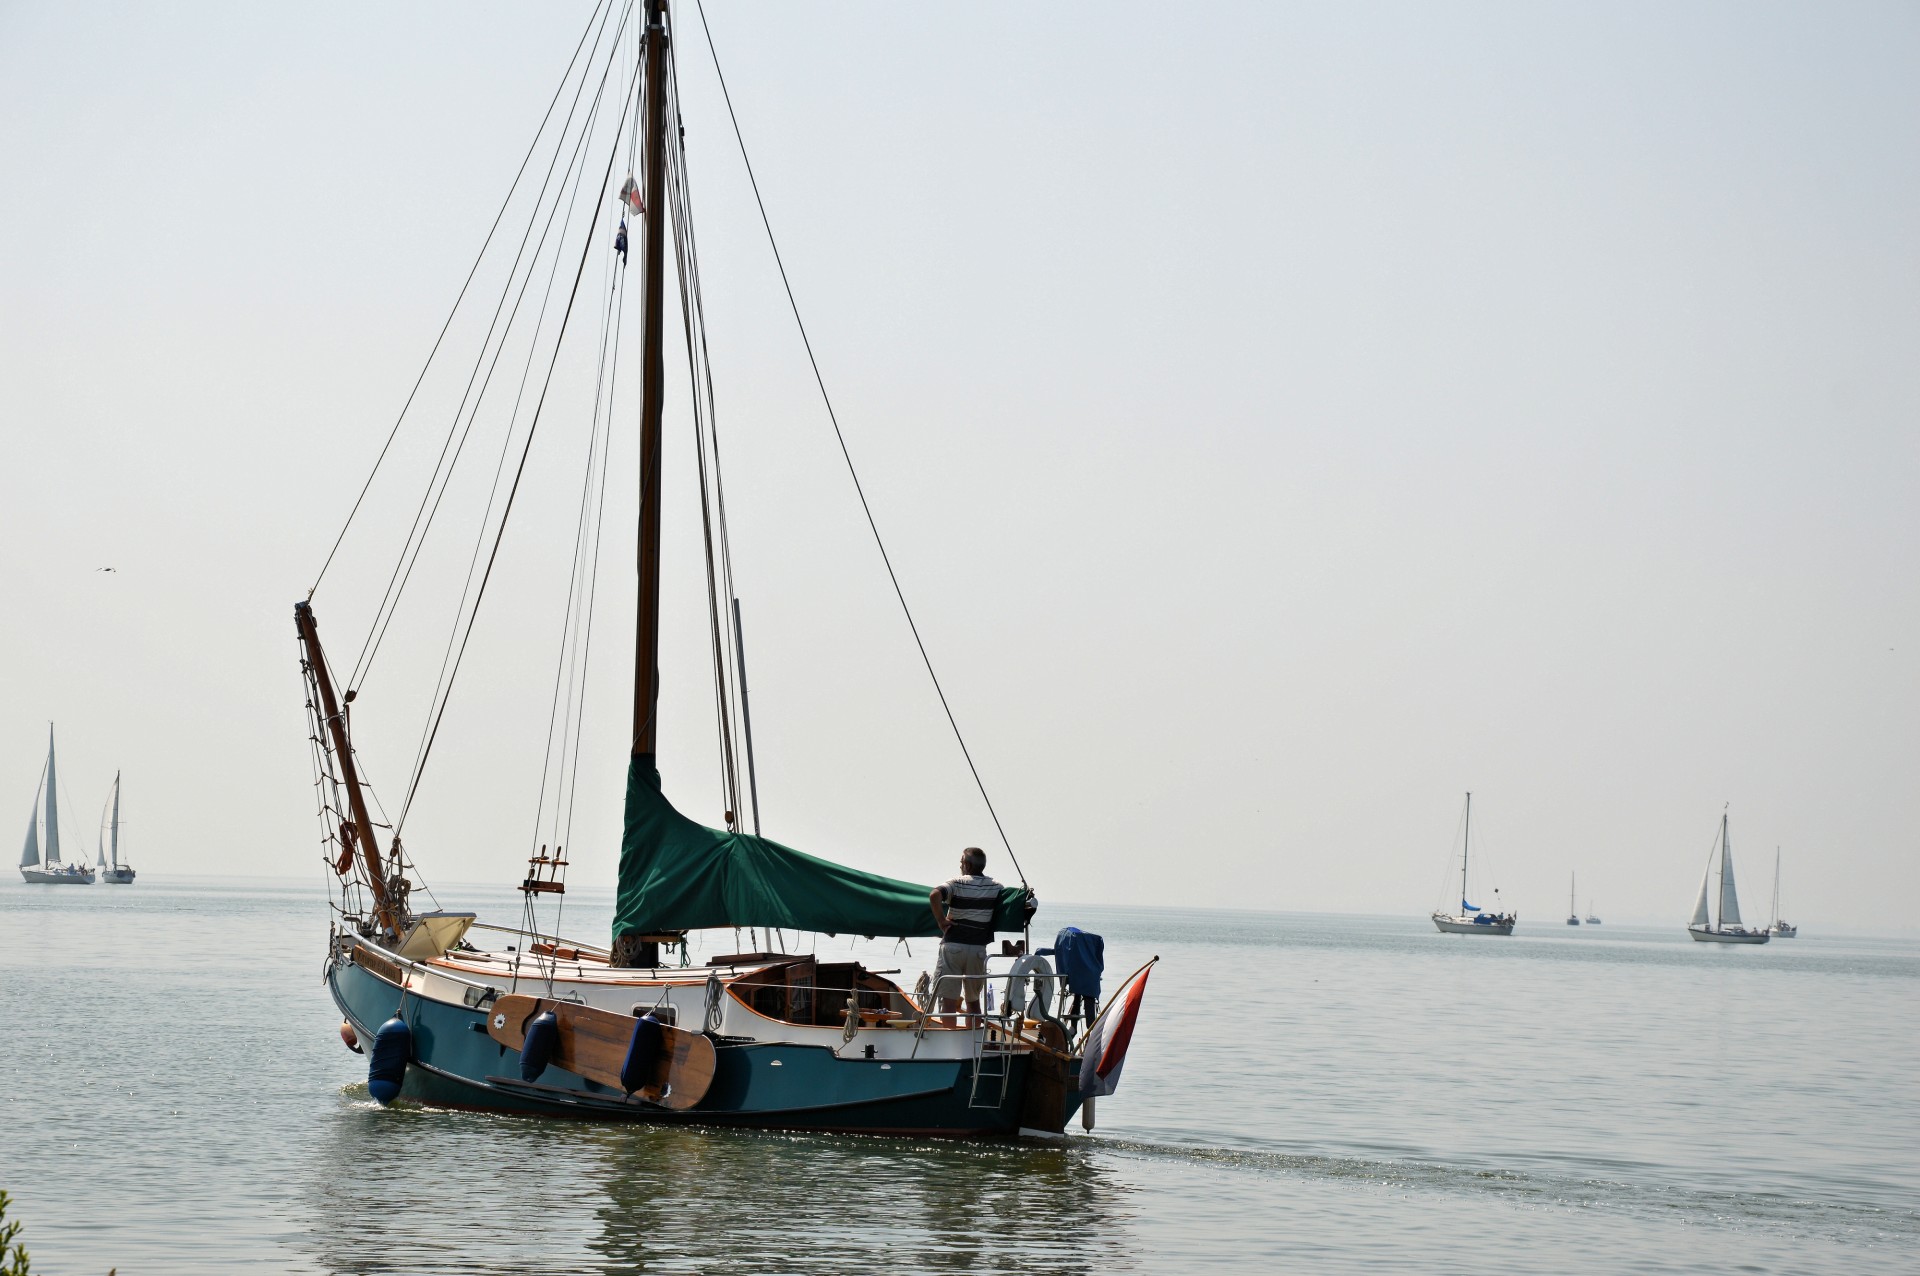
x: 106, y: 569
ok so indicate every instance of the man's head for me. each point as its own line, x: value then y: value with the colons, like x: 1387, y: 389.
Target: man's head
x: 973, y: 860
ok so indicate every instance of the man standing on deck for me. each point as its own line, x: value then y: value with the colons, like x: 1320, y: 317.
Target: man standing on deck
x: 963, y: 910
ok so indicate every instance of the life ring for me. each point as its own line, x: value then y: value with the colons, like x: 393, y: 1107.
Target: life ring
x: 1037, y: 968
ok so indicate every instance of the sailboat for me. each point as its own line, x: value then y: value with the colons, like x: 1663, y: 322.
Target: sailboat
x: 455, y: 1012
x: 50, y: 871
x: 1593, y: 918
x: 115, y: 872
x: 1573, y: 914
x: 1728, y: 929
x: 1780, y: 929
x: 1472, y: 920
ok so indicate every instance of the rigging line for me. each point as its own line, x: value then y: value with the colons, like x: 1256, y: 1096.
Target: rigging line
x: 506, y: 441
x: 728, y: 659
x: 847, y: 455
x: 599, y: 526
x: 497, y: 217
x: 578, y: 580
x: 702, y: 414
x: 593, y: 569
x: 593, y: 573
x: 513, y: 492
x: 563, y: 667
x: 706, y: 360
x: 409, y: 550
x: 470, y: 402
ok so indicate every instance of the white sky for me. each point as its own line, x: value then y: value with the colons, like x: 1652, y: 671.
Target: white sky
x: 1284, y: 417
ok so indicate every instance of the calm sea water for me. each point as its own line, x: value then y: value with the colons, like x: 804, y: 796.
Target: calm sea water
x: 1305, y: 1093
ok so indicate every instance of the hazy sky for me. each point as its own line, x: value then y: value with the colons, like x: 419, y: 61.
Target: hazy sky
x: 1284, y: 418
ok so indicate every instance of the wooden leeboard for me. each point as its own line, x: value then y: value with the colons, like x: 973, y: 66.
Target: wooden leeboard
x: 1043, y: 1107
x: 593, y: 1044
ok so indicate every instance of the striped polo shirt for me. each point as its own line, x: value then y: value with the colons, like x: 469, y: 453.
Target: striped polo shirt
x: 971, y: 902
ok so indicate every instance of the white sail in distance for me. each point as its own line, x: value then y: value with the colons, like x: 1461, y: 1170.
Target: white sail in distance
x: 1700, y: 917
x: 31, y: 855
x: 1729, y: 902
x: 53, y: 805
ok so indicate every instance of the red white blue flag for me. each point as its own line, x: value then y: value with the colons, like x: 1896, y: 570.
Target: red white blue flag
x: 1107, y: 1040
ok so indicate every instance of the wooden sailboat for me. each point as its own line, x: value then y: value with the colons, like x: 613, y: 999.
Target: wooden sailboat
x: 1727, y: 929
x: 112, y: 870
x: 1781, y: 929
x: 1472, y: 920
x: 518, y: 1019
x: 1573, y: 913
x: 50, y: 870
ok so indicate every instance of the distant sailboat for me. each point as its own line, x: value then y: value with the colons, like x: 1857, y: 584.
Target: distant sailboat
x: 1728, y: 930
x: 50, y: 872
x: 1780, y: 929
x: 1471, y: 920
x: 1573, y: 913
x: 117, y: 873
x: 1593, y: 918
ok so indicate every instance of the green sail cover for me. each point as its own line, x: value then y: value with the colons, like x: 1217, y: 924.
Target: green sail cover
x: 678, y: 875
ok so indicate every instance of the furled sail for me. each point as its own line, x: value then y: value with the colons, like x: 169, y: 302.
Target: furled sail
x: 31, y: 855
x: 1729, y: 902
x: 676, y: 874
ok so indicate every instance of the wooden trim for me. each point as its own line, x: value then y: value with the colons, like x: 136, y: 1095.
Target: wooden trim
x: 378, y: 963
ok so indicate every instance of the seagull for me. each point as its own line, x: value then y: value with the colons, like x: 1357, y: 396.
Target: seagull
x: 106, y: 569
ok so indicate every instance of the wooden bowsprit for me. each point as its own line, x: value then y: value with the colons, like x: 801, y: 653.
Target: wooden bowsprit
x: 594, y: 1043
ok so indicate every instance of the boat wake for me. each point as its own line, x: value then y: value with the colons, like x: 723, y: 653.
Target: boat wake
x: 1603, y: 1188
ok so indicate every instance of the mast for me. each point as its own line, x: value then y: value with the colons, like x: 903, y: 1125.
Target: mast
x: 646, y: 646
x: 1466, y: 842
x: 1775, y: 920
x: 53, y: 807
x: 360, y: 828
x: 1723, y: 871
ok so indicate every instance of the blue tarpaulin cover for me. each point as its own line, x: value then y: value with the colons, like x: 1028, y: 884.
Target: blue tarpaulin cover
x: 1081, y: 958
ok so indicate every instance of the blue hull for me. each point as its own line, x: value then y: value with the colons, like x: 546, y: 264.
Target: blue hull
x: 760, y: 1085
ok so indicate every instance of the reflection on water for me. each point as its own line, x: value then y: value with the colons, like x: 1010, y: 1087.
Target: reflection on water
x: 725, y: 1201
x: 417, y: 1190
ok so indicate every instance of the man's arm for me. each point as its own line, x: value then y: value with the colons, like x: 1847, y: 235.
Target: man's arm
x: 935, y: 899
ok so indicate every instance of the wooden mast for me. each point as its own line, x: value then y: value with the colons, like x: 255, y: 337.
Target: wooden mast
x: 360, y: 829
x: 633, y: 950
x: 646, y: 647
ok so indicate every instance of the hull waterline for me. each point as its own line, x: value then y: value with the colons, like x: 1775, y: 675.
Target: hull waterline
x: 1727, y: 937
x: 757, y: 1084
x: 41, y: 877
x: 1454, y: 926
